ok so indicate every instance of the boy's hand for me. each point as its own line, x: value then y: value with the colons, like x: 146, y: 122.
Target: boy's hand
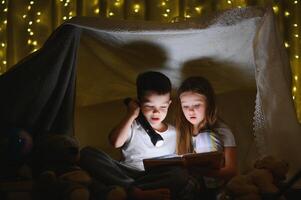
x: 133, y: 108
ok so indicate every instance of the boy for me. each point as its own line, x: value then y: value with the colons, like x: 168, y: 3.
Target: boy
x: 153, y: 96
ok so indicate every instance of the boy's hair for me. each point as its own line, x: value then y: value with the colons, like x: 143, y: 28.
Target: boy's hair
x: 152, y: 81
x: 201, y: 86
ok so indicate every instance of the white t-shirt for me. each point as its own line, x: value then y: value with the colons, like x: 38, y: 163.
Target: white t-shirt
x: 139, y: 146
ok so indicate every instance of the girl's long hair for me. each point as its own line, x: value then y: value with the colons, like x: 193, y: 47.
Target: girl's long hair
x: 184, y: 128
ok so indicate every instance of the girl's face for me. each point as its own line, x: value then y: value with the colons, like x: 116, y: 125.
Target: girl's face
x: 194, y: 107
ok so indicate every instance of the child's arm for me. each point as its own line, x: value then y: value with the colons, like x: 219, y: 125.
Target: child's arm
x: 230, y: 168
x: 120, y: 133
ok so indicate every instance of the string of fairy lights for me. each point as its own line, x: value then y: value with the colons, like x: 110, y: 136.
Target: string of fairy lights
x: 286, y: 12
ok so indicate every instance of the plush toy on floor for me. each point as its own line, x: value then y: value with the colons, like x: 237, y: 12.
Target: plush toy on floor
x: 61, y: 178
x: 265, y: 178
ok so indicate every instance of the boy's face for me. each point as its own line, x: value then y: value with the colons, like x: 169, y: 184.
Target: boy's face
x: 154, y: 107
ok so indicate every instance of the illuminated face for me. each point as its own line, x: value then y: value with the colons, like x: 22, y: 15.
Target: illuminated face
x: 194, y: 107
x: 154, y: 107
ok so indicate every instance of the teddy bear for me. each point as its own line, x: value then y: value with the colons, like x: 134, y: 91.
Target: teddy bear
x: 61, y: 177
x: 260, y: 182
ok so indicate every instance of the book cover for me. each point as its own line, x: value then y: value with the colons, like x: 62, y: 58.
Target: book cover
x: 205, y: 160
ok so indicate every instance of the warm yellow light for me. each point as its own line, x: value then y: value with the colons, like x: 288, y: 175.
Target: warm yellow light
x: 69, y: 17
x: 296, y: 35
x: 34, y: 50
x: 136, y: 8
x: 286, y: 13
x: 29, y: 41
x: 297, y: 56
x: 96, y: 11
x: 68, y: 1
x: 275, y: 9
x: 163, y: 3
x: 29, y: 30
x: 5, y: 21
x: 61, y: 0
x: 3, y: 2
x: 66, y: 4
x: 28, y: 7
x: 294, y: 89
x: 31, y: 2
x: 167, y: 10
x: 3, y: 44
x: 187, y: 16
x: 4, y: 62
x: 111, y: 13
x: 117, y: 4
x: 5, y: 10
x: 286, y: 44
x: 24, y: 16
x: 165, y: 15
x: 30, y: 22
x: 31, y: 33
x: 34, y: 43
x: 38, y: 13
x: 198, y: 9
x: 295, y: 25
x: 296, y: 78
x: 64, y: 18
x: 38, y: 20
x: 295, y: 2
x: 70, y: 13
x: 229, y: 2
x: 293, y: 97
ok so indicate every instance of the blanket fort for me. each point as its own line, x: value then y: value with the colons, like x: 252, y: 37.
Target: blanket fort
x: 238, y: 50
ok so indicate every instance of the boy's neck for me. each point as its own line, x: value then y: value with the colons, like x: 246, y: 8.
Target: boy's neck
x: 162, y: 127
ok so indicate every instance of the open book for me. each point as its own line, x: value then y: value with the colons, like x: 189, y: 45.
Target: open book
x: 212, y: 160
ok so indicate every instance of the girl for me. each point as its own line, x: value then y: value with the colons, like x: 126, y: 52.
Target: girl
x: 199, y: 130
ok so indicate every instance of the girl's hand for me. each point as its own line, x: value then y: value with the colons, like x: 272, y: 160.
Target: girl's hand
x: 133, y: 108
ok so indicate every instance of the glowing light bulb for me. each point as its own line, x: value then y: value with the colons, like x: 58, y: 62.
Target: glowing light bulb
x: 5, y: 21
x: 3, y: 44
x: 38, y: 20
x: 38, y: 13
x: 30, y: 22
x: 3, y: 2
x: 163, y: 3
x: 167, y: 10
x: 64, y: 18
x: 294, y: 89
x: 286, y: 44
x: 96, y: 11
x: 198, y: 9
x: 24, y: 16
x: 296, y: 35
x: 34, y: 43
x: 295, y: 2
x: 286, y: 13
x: 31, y: 2
x: 29, y: 30
x: 31, y: 33
x: 296, y: 78
x: 66, y: 4
x: 165, y: 15
x: 70, y: 13
x: 29, y: 41
x: 229, y: 2
x: 28, y: 7
x: 111, y: 13
x: 295, y: 25
x: 276, y: 9
x: 297, y: 56
x: 5, y: 10
x: 293, y: 97
x: 136, y: 8
x: 4, y: 62
x: 187, y: 16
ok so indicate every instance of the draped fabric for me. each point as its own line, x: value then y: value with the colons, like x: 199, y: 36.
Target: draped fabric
x: 238, y: 50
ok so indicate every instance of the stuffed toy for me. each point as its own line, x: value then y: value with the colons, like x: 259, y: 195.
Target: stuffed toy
x: 265, y: 178
x: 61, y: 177
x: 15, y: 149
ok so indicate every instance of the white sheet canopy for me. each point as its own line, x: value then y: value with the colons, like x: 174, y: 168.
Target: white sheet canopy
x: 238, y: 50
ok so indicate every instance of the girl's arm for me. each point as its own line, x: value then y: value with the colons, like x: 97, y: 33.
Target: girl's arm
x: 119, y: 134
x: 230, y: 168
